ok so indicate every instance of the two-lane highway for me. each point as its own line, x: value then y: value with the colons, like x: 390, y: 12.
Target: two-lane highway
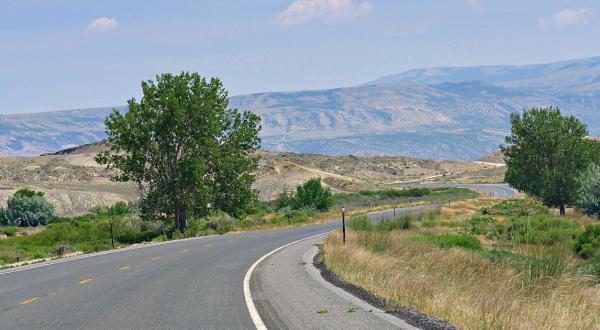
x: 194, y: 283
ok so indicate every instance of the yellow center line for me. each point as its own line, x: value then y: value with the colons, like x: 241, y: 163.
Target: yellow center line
x: 124, y: 268
x: 82, y: 282
x: 29, y: 301
x: 155, y: 258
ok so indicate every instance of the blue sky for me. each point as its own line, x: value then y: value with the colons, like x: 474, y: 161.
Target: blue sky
x: 85, y: 53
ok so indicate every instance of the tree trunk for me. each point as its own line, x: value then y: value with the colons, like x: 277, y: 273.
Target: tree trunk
x: 180, y: 219
x: 562, y: 209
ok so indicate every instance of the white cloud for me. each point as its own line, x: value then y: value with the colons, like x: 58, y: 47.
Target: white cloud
x: 476, y: 4
x: 328, y: 11
x: 102, y: 24
x: 564, y: 18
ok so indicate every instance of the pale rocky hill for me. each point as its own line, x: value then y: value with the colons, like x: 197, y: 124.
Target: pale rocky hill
x: 73, y: 181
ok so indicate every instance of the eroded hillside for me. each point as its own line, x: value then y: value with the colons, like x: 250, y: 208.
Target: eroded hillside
x: 73, y: 181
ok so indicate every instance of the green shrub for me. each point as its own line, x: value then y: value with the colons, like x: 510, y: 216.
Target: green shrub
x: 543, y: 229
x: 588, y: 195
x: 448, y: 240
x: 313, y: 195
x: 118, y: 208
x: 284, y: 200
x: 517, y: 208
x: 294, y: 216
x: 27, y: 208
x: 132, y: 236
x: 588, y: 243
x: 8, y: 231
x: 220, y: 224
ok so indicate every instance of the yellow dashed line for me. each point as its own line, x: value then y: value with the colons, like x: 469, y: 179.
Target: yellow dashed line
x: 29, y: 301
x: 155, y: 258
x: 124, y: 268
x: 82, y: 282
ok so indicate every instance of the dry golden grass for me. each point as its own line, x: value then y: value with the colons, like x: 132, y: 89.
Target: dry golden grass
x: 463, y: 287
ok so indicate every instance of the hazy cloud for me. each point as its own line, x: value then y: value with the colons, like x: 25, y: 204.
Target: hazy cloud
x: 564, y: 18
x: 328, y: 11
x: 102, y: 24
x: 476, y: 4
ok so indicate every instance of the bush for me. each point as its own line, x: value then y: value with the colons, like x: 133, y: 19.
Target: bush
x: 313, y: 195
x: 8, y: 231
x: 118, y: 208
x: 516, y: 208
x: 284, y: 200
x: 588, y: 195
x: 588, y: 243
x: 28, y: 208
x: 448, y: 240
x: 543, y: 229
x: 132, y: 236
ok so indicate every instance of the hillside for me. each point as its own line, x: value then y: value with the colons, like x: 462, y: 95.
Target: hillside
x: 73, y: 182
x: 434, y: 113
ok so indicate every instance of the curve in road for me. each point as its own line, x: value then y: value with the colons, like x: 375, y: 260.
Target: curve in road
x: 193, y: 283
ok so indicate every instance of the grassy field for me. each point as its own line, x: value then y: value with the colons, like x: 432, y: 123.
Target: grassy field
x: 92, y: 232
x: 479, y: 264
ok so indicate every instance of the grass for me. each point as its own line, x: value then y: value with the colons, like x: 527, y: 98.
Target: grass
x: 480, y: 264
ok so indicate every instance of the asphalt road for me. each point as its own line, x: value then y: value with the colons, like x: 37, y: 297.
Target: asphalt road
x: 188, y: 284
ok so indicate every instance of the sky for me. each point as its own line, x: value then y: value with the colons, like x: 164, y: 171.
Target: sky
x: 74, y: 54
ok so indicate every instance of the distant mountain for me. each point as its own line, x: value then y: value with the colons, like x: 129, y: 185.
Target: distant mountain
x: 565, y: 74
x: 452, y: 113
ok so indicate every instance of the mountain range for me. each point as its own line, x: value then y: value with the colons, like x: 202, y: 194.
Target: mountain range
x: 443, y: 112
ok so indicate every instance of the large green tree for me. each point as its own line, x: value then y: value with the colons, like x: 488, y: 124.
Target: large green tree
x: 545, y: 153
x: 184, y: 147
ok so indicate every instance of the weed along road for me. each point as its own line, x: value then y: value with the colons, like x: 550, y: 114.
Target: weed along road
x: 193, y: 283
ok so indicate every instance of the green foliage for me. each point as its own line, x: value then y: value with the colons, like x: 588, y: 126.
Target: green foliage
x: 8, y: 231
x: 543, y: 229
x: 184, y: 148
x: 516, y: 208
x: 360, y: 224
x: 309, y: 195
x: 486, y: 225
x: 25, y: 192
x: 27, y: 208
x: 402, y: 222
x: 119, y: 208
x: 588, y: 196
x: 448, y: 240
x: 294, y: 216
x: 284, y: 200
x: 312, y: 194
x: 588, y: 243
x: 545, y: 154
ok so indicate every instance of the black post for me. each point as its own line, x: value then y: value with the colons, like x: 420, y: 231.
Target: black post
x: 112, y: 238
x: 343, y: 225
x: 394, y: 211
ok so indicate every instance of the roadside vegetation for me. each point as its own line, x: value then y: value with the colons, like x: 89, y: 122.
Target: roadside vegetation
x: 480, y: 264
x: 92, y: 232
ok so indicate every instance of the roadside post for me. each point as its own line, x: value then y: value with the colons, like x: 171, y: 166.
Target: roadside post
x: 344, y: 224
x: 394, y: 211
x: 112, y: 237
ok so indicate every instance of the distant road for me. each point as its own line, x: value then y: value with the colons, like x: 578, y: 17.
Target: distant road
x: 186, y: 284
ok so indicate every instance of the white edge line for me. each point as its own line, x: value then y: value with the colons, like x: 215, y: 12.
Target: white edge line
x: 258, y: 322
